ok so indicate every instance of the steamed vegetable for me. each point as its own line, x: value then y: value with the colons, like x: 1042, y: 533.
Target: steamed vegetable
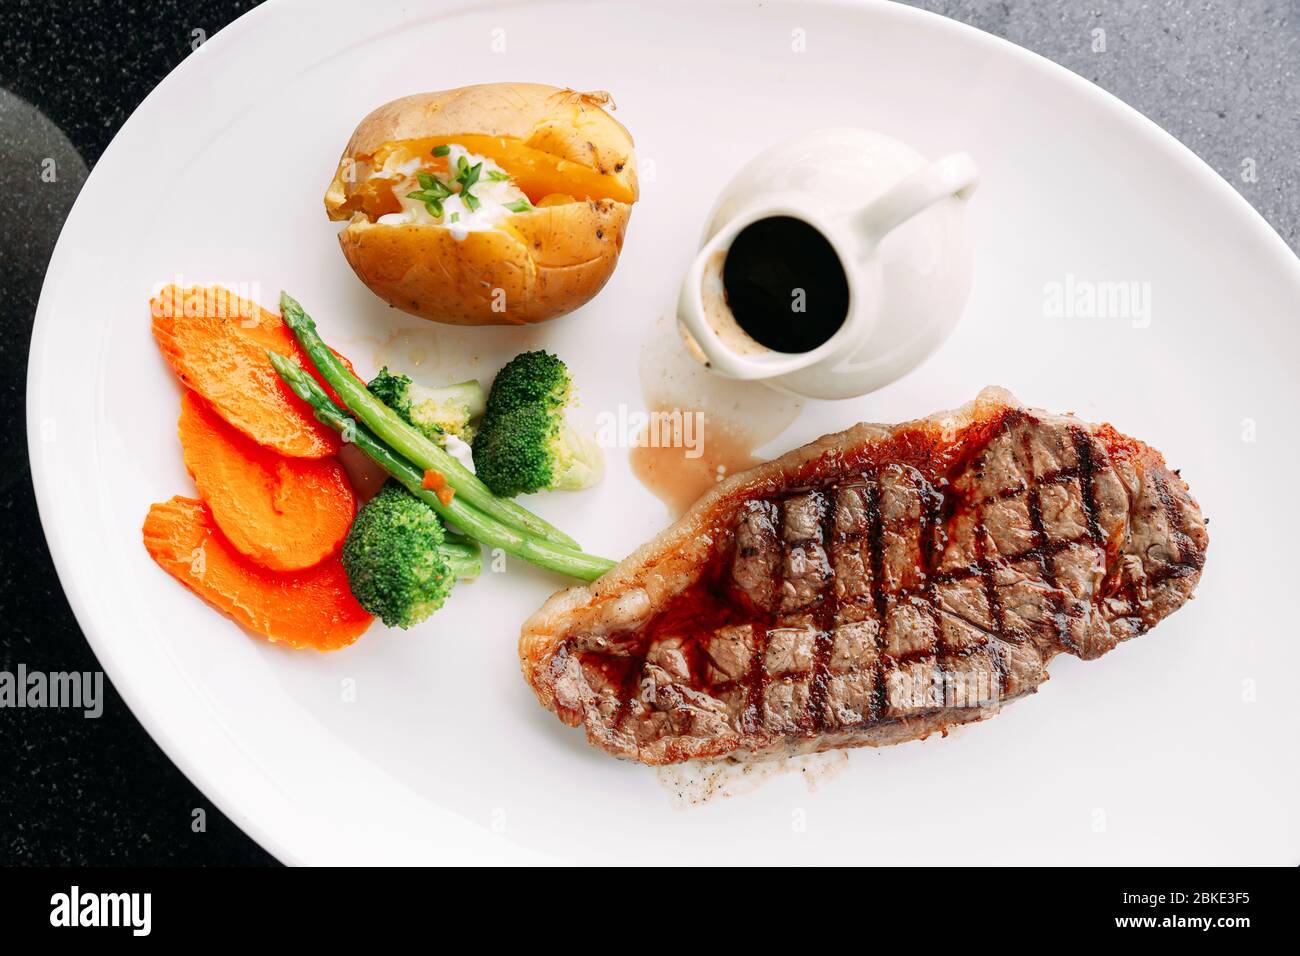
x: 285, y: 513
x: 216, y: 343
x: 525, y: 443
x: 401, y: 563
x: 405, y: 440
x: 436, y: 412
x: 310, y: 608
x: 477, y: 524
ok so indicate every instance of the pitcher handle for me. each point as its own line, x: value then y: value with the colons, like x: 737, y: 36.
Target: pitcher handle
x: 953, y: 175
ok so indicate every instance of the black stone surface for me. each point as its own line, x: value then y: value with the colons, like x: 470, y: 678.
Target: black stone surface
x: 75, y: 790
x: 1221, y: 77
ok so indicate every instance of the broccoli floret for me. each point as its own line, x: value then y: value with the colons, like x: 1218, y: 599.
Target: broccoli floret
x: 401, y: 562
x: 524, y: 443
x: 437, y: 412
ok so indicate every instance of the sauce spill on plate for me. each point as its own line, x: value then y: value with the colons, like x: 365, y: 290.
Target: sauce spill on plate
x: 702, y: 427
x: 678, y: 475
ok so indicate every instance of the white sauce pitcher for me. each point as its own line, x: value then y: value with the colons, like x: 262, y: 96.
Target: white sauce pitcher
x: 898, y: 226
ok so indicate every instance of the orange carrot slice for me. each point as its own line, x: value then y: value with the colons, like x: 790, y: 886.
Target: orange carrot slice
x: 312, y: 608
x: 285, y: 513
x: 216, y: 343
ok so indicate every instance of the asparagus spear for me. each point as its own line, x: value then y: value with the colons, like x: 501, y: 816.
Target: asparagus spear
x: 475, y: 523
x: 407, y: 441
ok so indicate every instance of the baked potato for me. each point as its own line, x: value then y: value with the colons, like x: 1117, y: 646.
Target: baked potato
x: 498, y: 204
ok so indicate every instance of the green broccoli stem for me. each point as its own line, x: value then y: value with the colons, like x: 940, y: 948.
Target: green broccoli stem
x: 463, y: 556
x: 459, y: 540
x: 468, y: 393
x: 406, y: 440
x: 470, y: 520
x: 465, y: 568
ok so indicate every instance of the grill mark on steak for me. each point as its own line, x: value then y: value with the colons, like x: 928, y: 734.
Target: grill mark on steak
x: 984, y: 571
x: 756, y: 679
x: 1083, y: 449
x: 900, y: 585
x: 1034, y: 501
x: 931, y: 507
x: 1175, y: 519
x: 827, y: 611
x: 765, y: 548
x: 876, y: 551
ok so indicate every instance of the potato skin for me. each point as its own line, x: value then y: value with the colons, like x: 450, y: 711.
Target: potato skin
x: 551, y: 261
x: 545, y: 262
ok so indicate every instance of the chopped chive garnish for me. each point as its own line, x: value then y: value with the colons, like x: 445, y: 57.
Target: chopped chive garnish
x: 432, y: 182
x: 455, y: 217
x: 467, y: 176
x: 523, y: 205
x: 433, y: 189
x: 441, y: 150
x: 497, y: 176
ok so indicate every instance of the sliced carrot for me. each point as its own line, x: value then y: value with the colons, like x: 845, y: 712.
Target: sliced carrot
x: 312, y: 608
x: 216, y: 343
x: 285, y: 513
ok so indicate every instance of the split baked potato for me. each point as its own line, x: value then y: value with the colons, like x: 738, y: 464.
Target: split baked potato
x: 497, y: 204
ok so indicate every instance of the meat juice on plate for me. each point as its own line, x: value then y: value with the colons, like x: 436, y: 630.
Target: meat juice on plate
x: 703, y: 428
x: 702, y: 781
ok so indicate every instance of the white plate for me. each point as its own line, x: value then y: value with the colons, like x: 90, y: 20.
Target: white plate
x: 1175, y: 748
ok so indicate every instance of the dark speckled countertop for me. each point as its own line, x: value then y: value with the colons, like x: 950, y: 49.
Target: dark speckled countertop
x: 1220, y: 76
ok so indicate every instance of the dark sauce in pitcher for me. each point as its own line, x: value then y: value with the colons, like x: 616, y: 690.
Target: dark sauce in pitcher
x: 785, y: 285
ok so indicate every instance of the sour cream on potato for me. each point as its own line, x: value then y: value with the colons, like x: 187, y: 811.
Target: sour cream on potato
x: 493, y: 196
x: 459, y: 449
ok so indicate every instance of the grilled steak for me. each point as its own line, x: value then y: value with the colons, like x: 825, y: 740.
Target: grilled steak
x: 872, y: 587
